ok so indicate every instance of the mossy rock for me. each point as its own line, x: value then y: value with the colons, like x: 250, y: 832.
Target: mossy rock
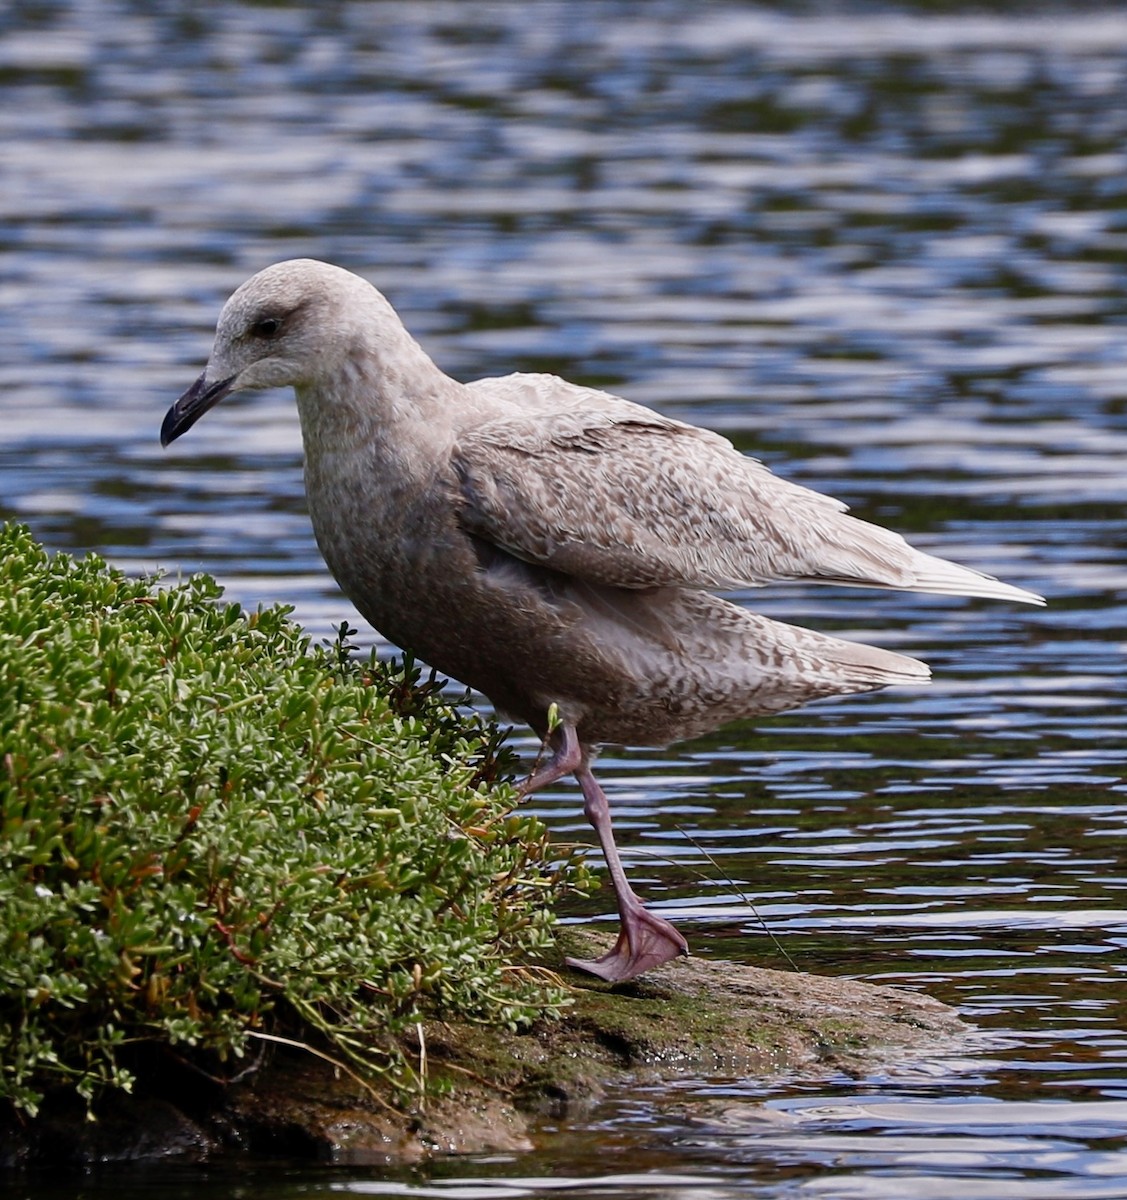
x: 690, y: 1019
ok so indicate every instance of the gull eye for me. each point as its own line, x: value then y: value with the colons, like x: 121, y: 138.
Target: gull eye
x: 266, y: 327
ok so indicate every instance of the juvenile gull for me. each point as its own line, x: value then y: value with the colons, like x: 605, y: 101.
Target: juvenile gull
x: 550, y: 544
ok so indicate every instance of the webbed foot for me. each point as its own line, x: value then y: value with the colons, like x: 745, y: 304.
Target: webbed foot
x: 644, y: 941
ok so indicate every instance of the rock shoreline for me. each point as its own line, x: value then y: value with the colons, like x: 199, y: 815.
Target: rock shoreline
x: 693, y: 1018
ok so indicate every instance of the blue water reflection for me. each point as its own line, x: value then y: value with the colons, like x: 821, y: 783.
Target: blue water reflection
x: 882, y: 249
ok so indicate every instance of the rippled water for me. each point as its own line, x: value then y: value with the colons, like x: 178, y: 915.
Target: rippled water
x: 883, y: 250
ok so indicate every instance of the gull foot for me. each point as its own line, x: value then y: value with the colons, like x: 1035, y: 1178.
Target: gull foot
x: 644, y: 941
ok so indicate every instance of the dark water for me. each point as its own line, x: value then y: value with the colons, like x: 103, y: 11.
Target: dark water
x: 883, y: 249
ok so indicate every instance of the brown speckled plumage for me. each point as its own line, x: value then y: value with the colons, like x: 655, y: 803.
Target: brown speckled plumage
x: 552, y: 544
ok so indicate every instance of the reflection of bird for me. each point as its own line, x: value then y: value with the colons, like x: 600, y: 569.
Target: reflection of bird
x: 551, y: 544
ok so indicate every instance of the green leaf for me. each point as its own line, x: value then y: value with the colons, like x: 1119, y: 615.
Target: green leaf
x: 210, y: 827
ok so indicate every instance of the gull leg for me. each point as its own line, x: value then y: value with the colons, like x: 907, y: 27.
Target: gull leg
x: 566, y: 758
x: 644, y: 940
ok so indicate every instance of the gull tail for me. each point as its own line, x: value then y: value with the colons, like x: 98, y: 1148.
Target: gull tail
x: 819, y: 664
x: 870, y: 667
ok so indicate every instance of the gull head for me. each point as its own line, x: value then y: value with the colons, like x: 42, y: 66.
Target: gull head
x: 288, y: 326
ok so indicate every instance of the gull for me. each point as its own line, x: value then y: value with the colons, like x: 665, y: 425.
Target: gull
x: 556, y: 547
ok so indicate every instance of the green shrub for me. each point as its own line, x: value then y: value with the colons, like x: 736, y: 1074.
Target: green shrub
x: 213, y: 832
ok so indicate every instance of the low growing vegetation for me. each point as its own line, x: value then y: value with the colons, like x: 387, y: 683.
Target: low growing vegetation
x: 214, y: 836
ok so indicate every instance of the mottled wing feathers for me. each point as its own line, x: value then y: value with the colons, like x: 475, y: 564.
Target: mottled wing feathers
x: 605, y: 490
x: 636, y: 505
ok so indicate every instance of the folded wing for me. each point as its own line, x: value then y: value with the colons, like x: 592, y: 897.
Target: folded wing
x: 608, y: 491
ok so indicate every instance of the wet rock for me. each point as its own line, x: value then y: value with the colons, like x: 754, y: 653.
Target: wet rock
x: 128, y: 1129
x: 693, y: 1018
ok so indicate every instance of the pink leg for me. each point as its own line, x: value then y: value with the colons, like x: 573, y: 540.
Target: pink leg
x: 644, y: 940
x: 567, y: 758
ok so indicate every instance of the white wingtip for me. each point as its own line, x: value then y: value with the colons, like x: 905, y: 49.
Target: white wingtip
x: 943, y: 578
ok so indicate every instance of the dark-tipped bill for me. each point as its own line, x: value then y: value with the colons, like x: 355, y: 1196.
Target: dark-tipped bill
x: 191, y: 406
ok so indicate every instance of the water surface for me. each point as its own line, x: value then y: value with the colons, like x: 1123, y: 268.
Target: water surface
x: 883, y: 250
